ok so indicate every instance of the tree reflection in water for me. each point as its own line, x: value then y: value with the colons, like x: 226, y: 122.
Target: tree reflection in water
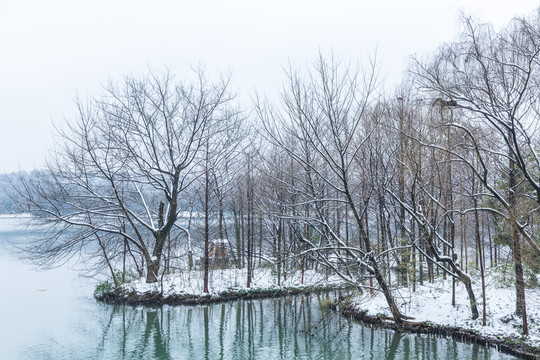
x: 286, y: 328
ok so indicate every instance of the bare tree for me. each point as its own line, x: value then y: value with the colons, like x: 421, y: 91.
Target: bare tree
x: 492, y: 78
x: 325, y: 113
x: 122, y: 165
x: 222, y: 146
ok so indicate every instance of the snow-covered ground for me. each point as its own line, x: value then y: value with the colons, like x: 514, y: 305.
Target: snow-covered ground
x: 433, y: 303
x: 220, y: 280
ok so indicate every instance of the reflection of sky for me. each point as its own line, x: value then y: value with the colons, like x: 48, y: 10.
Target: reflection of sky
x: 52, y: 315
x: 34, y: 304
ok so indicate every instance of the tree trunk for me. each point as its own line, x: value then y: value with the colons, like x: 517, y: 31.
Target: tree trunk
x: 464, y: 277
x: 521, y: 307
x: 481, y: 258
x: 152, y: 270
x: 206, y: 225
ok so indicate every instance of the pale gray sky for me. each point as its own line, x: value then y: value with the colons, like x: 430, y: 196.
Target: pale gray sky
x: 54, y: 50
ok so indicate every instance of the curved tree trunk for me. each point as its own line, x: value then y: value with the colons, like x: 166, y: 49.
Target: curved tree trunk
x: 464, y: 277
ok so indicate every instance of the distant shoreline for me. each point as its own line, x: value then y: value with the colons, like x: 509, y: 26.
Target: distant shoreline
x: 15, y: 216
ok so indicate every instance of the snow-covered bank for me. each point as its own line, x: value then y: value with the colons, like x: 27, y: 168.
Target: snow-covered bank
x: 432, y: 303
x: 224, y: 284
x: 221, y: 280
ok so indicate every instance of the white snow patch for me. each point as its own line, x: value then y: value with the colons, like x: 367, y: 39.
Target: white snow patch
x: 220, y: 280
x: 433, y: 303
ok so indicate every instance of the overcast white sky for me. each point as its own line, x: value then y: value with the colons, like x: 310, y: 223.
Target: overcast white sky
x: 54, y: 50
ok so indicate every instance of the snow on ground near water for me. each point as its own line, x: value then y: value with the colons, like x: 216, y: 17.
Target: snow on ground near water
x: 220, y: 280
x: 433, y: 303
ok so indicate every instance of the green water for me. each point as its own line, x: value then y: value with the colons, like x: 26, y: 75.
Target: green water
x: 52, y: 315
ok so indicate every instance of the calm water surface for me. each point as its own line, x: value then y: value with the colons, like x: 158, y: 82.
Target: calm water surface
x: 52, y: 315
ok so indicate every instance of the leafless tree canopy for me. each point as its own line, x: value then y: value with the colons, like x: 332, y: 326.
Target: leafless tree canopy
x: 124, y: 163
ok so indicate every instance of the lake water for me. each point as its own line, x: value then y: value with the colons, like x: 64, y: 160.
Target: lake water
x: 52, y: 315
